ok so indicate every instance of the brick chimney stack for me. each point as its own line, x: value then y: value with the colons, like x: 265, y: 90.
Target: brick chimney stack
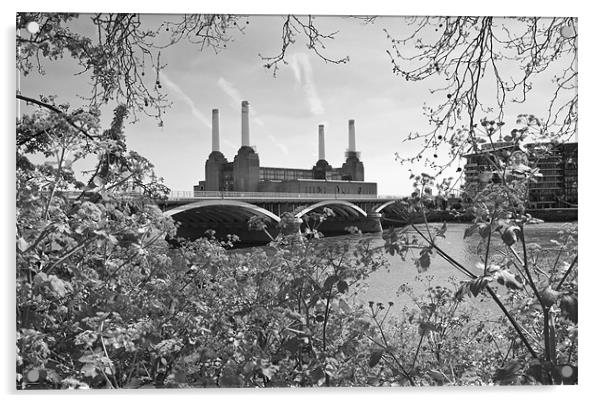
x: 215, y: 130
x: 245, y: 124
x: 321, y: 149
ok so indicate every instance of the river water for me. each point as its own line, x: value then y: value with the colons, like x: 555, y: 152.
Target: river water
x: 383, y: 285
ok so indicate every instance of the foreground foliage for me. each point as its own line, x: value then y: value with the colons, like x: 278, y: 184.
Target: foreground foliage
x: 540, y: 305
x: 104, y: 301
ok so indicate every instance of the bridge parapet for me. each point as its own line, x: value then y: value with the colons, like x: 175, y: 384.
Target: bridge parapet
x: 183, y: 195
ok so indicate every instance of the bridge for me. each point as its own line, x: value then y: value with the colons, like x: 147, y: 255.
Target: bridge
x: 229, y: 212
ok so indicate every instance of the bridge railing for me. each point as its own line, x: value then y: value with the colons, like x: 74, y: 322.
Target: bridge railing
x: 176, y: 195
x: 72, y: 194
x: 187, y: 195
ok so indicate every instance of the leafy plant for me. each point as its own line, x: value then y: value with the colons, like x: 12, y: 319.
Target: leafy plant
x: 537, y: 289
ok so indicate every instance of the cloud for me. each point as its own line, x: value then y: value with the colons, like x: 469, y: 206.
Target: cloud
x: 232, y: 92
x: 229, y: 144
x: 278, y: 144
x: 184, y: 97
x: 296, y: 69
x: 236, y: 98
x: 303, y: 72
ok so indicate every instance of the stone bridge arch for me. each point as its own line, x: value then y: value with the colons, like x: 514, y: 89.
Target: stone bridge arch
x: 225, y: 217
x: 341, y: 208
x: 392, y: 213
x: 383, y: 206
x: 346, y: 215
x: 243, y: 208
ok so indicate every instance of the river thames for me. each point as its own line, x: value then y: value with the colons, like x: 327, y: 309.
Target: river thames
x: 383, y: 284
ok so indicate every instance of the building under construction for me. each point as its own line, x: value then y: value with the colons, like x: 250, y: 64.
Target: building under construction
x: 245, y: 174
x: 557, y: 163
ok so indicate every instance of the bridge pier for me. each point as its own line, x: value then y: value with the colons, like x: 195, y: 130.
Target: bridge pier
x: 373, y: 222
x: 290, y: 225
x: 339, y: 226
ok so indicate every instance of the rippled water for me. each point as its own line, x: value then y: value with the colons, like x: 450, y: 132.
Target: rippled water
x: 384, y: 284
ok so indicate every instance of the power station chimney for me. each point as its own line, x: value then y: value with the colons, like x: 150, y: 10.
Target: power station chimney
x: 215, y: 130
x: 245, y: 124
x: 321, y: 152
x: 351, y: 135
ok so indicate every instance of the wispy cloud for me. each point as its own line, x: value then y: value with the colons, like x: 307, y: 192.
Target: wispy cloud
x: 278, y: 144
x: 303, y: 72
x: 233, y: 93
x: 229, y: 144
x: 236, y: 97
x: 184, y: 97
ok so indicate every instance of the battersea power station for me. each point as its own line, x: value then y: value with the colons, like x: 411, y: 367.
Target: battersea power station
x: 234, y: 192
x: 245, y: 174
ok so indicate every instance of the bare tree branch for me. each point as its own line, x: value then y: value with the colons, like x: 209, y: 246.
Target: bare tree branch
x: 472, y: 55
x: 304, y: 26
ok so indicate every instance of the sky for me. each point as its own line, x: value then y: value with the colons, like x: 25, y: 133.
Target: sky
x: 286, y: 109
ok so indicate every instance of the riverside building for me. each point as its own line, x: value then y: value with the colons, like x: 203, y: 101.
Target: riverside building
x: 557, y: 163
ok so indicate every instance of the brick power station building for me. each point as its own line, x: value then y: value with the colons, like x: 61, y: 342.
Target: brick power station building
x: 245, y: 174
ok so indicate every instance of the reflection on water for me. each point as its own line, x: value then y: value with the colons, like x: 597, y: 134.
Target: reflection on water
x: 384, y: 284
